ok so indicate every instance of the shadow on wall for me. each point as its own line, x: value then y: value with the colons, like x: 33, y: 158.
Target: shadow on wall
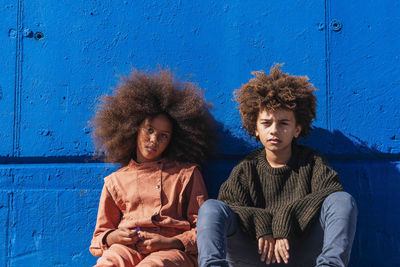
x: 372, y: 177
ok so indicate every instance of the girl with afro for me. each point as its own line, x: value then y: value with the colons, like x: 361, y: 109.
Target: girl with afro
x: 283, y: 204
x: 158, y: 129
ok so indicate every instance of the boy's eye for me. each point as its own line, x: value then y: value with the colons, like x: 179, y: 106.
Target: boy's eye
x: 284, y: 123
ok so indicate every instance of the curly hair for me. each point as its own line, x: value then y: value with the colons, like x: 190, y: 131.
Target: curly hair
x: 277, y: 90
x: 143, y: 94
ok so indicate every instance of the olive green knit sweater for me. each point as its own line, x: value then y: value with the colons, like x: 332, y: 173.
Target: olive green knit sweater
x: 279, y: 201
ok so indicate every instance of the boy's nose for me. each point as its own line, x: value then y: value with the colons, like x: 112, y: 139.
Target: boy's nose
x: 274, y: 128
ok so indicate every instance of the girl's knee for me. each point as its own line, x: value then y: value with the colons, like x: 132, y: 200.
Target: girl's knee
x: 168, y: 258
x: 119, y: 255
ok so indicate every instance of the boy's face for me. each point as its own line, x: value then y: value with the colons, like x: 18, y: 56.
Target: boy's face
x: 153, y: 138
x: 276, y: 130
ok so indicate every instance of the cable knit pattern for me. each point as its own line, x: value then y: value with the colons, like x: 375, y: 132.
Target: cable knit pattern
x: 279, y: 201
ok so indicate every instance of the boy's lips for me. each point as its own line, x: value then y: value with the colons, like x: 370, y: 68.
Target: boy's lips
x: 274, y: 141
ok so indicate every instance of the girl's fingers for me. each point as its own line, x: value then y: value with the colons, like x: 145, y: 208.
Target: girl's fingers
x: 123, y: 234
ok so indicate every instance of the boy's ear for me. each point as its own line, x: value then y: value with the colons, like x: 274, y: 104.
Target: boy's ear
x: 298, y: 131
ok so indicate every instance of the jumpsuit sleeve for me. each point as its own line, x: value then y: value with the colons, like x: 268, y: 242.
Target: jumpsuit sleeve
x: 255, y: 221
x: 196, y: 194
x: 296, y: 216
x: 108, y: 218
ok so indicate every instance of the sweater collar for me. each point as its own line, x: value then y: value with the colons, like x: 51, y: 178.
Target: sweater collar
x: 263, y: 163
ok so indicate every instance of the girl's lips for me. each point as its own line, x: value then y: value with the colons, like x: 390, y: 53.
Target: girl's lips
x: 150, y: 148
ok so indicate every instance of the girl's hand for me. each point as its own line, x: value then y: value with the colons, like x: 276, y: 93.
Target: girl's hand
x: 266, y: 245
x: 123, y: 236
x: 150, y: 242
x: 282, y: 250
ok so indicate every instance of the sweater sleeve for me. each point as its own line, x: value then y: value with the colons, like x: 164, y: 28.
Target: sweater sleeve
x: 196, y: 194
x: 255, y: 221
x: 108, y: 218
x: 297, y: 215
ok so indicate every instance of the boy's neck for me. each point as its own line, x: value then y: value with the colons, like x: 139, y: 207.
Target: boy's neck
x: 278, y: 159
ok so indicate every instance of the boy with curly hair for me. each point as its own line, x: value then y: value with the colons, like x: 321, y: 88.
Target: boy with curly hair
x: 282, y: 204
x: 158, y: 128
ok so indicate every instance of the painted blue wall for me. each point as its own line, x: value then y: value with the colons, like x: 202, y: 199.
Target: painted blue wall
x: 58, y: 57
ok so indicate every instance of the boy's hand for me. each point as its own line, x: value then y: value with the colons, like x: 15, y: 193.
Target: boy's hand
x: 124, y: 236
x: 266, y: 245
x: 282, y: 250
x: 150, y: 242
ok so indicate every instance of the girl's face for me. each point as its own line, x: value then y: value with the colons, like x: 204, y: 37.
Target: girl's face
x: 153, y: 138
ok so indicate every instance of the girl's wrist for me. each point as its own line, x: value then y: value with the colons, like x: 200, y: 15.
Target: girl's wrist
x: 107, y: 240
x: 176, y: 243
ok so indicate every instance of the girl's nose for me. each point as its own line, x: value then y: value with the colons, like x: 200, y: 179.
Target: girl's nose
x: 153, y: 138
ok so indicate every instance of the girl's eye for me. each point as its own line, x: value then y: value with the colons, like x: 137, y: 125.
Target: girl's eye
x: 284, y: 123
x: 150, y: 130
x: 164, y: 136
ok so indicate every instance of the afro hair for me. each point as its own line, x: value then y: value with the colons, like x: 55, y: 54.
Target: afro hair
x: 144, y: 94
x: 277, y: 90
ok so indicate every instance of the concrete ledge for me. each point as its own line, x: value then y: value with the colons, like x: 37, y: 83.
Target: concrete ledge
x: 48, y: 211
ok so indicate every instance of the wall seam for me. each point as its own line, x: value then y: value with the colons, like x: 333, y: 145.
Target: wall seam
x: 8, y: 245
x: 18, y: 81
x: 327, y: 66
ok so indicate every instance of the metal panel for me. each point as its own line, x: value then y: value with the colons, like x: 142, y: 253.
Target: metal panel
x: 365, y: 73
x: 63, y: 78
x: 83, y: 45
x: 10, y: 38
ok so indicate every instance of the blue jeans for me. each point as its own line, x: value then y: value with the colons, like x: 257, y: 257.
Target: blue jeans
x: 328, y: 242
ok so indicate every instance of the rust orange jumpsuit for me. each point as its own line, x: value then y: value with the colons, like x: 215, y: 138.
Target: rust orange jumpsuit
x: 160, y: 197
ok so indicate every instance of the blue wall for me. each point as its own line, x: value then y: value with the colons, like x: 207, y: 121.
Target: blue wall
x: 58, y: 57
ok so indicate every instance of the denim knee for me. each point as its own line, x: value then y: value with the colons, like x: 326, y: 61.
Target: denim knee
x: 340, y: 202
x: 212, y: 208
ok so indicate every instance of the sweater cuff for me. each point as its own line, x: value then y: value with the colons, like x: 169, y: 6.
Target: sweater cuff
x: 262, y: 223
x: 282, y: 226
x: 281, y: 233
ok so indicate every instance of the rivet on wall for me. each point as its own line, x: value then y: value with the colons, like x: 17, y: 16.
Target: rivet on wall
x: 336, y: 25
x: 12, y: 33
x: 27, y: 33
x: 38, y: 35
